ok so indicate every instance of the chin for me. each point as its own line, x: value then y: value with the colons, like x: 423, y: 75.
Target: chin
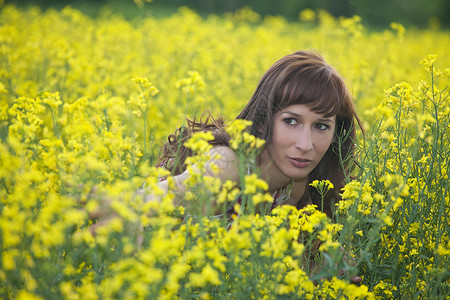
x: 298, y: 175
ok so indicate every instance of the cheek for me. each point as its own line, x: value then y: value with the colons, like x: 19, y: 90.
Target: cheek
x: 279, y: 136
x: 286, y: 139
x: 323, y: 143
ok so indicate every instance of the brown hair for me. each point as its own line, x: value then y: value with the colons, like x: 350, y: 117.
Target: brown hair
x: 174, y: 153
x: 304, y: 77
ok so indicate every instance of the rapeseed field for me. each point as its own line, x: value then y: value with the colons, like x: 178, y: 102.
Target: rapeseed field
x: 86, y: 103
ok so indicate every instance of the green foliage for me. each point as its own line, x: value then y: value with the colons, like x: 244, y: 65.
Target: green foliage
x: 377, y: 15
x: 84, y: 102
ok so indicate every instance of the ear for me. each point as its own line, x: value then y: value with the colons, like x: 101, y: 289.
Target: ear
x: 261, y: 129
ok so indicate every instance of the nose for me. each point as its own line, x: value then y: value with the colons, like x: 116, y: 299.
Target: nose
x: 304, y: 141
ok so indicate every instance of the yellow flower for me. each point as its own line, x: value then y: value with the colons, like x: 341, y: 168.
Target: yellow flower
x: 253, y: 184
x: 399, y: 28
x: 199, y: 142
x: 24, y: 295
x: 307, y: 15
x: 322, y: 186
x: 191, y: 84
x: 51, y: 99
x: 444, y: 250
x: 429, y: 61
x: 387, y: 220
x: 207, y: 276
x: 262, y: 198
x: 8, y: 261
x: 241, y: 140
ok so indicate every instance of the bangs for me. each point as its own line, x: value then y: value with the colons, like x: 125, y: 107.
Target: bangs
x: 316, y: 87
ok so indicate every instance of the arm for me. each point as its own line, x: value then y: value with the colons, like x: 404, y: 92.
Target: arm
x: 227, y: 165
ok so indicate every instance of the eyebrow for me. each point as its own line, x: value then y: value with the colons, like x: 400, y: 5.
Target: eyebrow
x: 323, y: 120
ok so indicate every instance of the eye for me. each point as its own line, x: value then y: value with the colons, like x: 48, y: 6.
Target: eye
x: 290, y: 121
x: 321, y: 126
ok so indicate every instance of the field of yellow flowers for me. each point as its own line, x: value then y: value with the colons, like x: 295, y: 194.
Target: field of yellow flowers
x: 85, y: 104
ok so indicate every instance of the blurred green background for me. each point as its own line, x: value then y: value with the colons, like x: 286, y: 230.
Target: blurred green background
x: 375, y: 14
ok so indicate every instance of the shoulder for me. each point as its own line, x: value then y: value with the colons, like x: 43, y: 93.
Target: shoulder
x: 225, y: 152
x: 224, y: 157
x: 226, y: 160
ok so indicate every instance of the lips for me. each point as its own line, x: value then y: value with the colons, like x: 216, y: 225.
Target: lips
x: 299, y: 162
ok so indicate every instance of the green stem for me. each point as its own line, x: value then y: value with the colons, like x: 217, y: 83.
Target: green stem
x: 145, y: 132
x: 55, y: 129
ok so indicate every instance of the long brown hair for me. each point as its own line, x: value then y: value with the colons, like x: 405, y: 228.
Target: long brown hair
x: 304, y: 77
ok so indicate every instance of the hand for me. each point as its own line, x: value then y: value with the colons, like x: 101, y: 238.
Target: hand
x: 318, y: 265
x: 103, y: 215
x: 354, y: 279
x: 351, y: 261
x: 106, y: 211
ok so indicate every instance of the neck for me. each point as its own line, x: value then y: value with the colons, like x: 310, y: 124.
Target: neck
x: 300, y: 187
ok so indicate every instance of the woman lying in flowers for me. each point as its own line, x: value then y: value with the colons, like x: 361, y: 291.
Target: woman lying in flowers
x: 304, y: 112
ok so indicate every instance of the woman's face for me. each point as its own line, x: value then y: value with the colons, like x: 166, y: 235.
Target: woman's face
x: 300, y: 139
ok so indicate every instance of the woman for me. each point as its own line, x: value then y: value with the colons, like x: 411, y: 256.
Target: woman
x: 304, y: 111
